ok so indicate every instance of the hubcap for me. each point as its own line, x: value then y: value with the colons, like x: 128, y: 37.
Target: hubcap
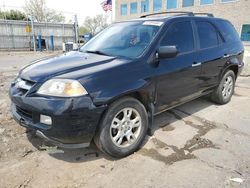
x: 125, y: 127
x: 227, y: 87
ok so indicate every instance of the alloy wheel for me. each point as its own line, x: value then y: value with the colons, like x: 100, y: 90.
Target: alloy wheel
x: 125, y: 127
x: 227, y: 88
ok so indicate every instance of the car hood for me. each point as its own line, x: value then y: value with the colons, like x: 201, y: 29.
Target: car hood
x: 47, y: 68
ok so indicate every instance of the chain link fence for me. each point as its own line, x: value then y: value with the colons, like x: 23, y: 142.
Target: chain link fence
x: 18, y: 35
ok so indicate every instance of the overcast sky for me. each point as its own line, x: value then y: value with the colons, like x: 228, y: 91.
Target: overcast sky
x: 82, y: 8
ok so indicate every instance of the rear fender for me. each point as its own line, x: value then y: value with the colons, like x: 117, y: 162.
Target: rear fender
x: 232, y: 64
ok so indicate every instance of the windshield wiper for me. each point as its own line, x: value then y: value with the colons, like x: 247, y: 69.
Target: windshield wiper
x: 96, y: 52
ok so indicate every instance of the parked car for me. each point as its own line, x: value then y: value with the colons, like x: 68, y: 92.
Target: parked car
x: 110, y: 90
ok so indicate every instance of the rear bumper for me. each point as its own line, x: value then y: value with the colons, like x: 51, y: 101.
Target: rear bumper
x: 240, y: 68
x: 74, y: 120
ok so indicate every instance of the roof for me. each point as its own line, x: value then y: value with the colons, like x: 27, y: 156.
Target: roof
x: 163, y: 16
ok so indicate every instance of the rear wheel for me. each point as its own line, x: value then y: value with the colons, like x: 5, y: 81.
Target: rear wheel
x: 223, y: 93
x: 123, y: 128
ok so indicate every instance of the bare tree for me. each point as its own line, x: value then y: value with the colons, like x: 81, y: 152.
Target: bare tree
x: 95, y: 24
x: 41, y: 12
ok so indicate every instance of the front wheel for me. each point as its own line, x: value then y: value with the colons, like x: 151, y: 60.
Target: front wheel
x: 123, y: 128
x: 223, y: 93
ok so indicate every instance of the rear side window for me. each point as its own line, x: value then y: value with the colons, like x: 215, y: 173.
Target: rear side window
x: 227, y: 30
x: 180, y: 34
x: 208, y: 35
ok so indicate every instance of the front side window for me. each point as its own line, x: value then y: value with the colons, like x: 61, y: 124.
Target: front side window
x: 245, y: 32
x: 180, y: 35
x: 157, y: 5
x: 207, y: 2
x: 128, y: 39
x: 171, y: 4
x: 208, y: 36
x: 133, y: 8
x: 187, y: 3
x: 144, y: 6
x: 124, y: 9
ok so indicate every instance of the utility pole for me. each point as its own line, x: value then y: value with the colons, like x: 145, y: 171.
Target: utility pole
x: 47, y: 35
x: 76, y: 31
x: 33, y: 32
x: 6, y: 22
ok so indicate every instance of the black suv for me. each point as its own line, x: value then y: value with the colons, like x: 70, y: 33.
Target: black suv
x: 110, y: 90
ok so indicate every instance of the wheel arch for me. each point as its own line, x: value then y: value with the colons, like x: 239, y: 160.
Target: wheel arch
x: 143, y: 97
x: 146, y: 98
x: 231, y: 65
x: 235, y: 69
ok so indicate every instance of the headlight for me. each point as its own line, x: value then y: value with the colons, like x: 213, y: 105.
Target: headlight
x: 62, y: 88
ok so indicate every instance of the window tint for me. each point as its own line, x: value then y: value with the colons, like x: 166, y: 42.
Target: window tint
x: 144, y: 6
x: 187, y: 3
x: 157, y: 5
x: 171, y: 4
x: 227, y: 30
x: 245, y: 32
x: 124, y: 9
x: 133, y: 8
x: 207, y: 34
x: 181, y: 35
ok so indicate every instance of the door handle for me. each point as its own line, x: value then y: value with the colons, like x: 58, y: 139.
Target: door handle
x: 195, y: 64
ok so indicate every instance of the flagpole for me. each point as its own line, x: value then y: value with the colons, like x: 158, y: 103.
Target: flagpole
x: 111, y: 16
x: 112, y: 8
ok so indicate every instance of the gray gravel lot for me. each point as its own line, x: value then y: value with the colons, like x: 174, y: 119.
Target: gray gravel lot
x: 198, y: 144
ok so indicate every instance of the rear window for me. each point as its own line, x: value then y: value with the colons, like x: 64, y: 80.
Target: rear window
x: 208, y: 35
x: 227, y: 30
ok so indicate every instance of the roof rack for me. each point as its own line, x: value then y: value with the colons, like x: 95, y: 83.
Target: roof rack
x: 170, y: 12
x: 178, y: 12
x: 204, y: 13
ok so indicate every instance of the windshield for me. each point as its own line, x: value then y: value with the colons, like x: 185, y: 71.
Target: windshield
x: 127, y: 39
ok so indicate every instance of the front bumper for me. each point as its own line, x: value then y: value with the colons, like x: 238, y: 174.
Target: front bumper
x: 74, y: 120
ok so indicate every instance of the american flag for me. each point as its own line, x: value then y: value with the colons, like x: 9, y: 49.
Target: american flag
x: 107, y: 5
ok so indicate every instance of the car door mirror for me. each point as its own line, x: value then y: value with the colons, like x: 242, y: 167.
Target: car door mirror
x: 167, y: 52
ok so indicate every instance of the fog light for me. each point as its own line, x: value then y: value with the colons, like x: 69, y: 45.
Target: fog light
x: 45, y: 120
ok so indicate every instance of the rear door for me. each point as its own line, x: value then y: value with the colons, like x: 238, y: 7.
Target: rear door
x: 178, y: 77
x: 210, y: 54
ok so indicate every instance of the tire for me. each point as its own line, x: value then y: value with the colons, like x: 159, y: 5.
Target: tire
x: 120, y: 135
x: 223, y: 93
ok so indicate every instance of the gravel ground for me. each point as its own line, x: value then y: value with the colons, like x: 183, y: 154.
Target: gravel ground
x: 198, y: 144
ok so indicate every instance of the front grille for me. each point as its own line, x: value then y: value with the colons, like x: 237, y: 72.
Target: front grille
x: 23, y: 112
x: 23, y: 86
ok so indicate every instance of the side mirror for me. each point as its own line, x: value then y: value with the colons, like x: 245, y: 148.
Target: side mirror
x: 167, y: 52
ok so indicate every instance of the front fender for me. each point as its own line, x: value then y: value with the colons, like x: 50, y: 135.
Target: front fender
x: 107, y: 85
x: 113, y: 91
